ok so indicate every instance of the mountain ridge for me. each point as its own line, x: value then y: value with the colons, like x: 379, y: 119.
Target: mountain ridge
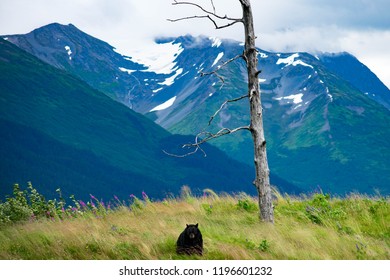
x: 58, y: 130
x: 313, y: 114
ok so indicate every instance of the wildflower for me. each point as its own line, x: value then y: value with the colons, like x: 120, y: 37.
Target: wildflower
x: 92, y: 197
x: 145, y: 197
x: 83, y: 204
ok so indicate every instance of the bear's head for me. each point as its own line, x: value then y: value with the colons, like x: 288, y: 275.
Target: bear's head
x: 192, y: 231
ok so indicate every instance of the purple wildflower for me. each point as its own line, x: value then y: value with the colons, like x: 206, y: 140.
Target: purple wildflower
x: 83, y: 204
x: 145, y: 196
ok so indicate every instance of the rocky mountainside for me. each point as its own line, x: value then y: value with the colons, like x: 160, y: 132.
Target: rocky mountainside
x: 325, y: 125
x: 57, y: 131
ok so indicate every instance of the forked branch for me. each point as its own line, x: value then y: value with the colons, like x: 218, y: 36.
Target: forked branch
x: 224, y: 104
x: 210, y: 15
x: 207, y: 137
x: 215, y: 72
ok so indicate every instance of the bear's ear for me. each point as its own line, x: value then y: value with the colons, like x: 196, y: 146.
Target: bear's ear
x: 196, y: 225
x: 186, y: 225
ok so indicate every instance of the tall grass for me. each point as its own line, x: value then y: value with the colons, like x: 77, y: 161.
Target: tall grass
x: 316, y: 227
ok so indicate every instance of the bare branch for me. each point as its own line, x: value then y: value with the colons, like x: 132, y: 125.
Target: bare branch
x: 223, y: 105
x: 223, y: 26
x: 181, y: 156
x: 225, y: 17
x: 210, y: 136
x: 186, y: 18
x: 212, y: 4
x: 222, y: 65
x: 208, y: 14
x: 208, y: 17
x: 215, y: 72
x: 206, y: 136
x: 198, y: 147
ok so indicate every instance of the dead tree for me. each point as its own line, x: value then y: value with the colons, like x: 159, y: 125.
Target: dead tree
x: 249, y: 55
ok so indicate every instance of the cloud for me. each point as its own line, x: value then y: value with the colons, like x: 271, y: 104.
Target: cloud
x: 357, y: 26
x: 359, y: 14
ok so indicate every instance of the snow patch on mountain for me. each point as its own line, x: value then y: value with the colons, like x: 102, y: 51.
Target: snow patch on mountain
x: 69, y: 51
x: 219, y: 56
x: 158, y: 58
x: 288, y: 60
x: 164, y: 105
x: 295, y: 63
x: 296, y: 98
x: 169, y: 81
x: 157, y: 90
x: 216, y: 42
x: 291, y: 61
x: 263, y: 55
x: 128, y: 71
x: 329, y: 95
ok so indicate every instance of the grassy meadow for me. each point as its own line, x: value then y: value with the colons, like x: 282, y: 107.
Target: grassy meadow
x: 315, y: 227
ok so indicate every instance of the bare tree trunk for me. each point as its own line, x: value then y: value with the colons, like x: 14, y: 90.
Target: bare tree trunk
x: 261, y: 182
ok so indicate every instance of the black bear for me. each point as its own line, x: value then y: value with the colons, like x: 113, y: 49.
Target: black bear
x: 190, y: 241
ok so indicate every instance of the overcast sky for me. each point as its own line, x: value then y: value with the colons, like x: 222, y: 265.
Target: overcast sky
x: 361, y: 27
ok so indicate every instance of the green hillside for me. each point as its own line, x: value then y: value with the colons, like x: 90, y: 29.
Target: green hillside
x: 58, y: 130
x: 339, y: 143
x: 326, y: 127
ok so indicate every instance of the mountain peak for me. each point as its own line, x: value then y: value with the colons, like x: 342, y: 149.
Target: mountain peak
x: 363, y: 78
x: 53, y: 29
x: 314, y: 106
x: 85, y: 142
x: 56, y: 25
